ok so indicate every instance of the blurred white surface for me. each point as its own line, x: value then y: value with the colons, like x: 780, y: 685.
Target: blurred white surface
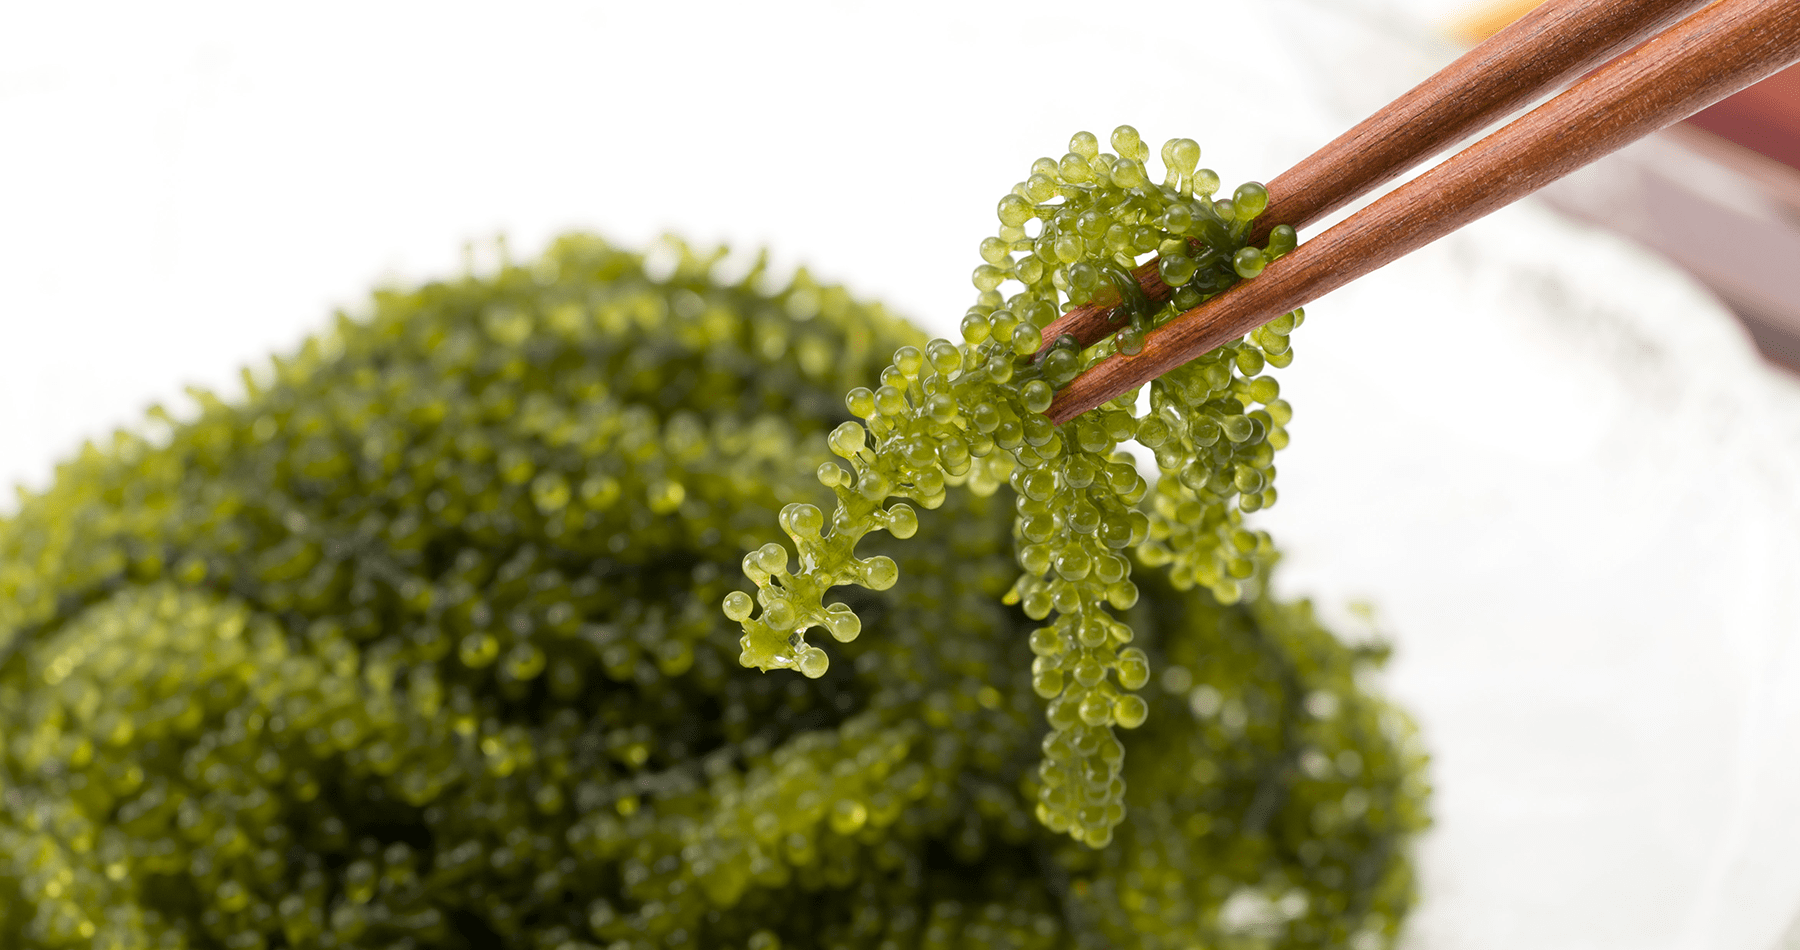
x: 1573, y: 505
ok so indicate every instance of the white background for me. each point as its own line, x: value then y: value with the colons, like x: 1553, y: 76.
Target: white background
x: 1554, y: 466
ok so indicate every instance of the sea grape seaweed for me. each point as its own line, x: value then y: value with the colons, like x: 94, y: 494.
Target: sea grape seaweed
x: 416, y: 646
x: 949, y: 414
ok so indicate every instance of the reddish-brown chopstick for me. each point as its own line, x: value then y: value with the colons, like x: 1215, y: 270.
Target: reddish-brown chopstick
x: 1721, y: 49
x: 1535, y: 55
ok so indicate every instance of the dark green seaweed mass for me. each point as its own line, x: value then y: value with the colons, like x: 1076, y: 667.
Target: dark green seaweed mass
x: 418, y: 645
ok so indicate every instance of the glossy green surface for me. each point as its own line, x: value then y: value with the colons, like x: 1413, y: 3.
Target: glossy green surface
x: 973, y: 413
x: 418, y: 646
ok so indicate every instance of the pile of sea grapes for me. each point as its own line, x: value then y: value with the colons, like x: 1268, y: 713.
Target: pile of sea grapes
x: 417, y: 646
x: 974, y: 413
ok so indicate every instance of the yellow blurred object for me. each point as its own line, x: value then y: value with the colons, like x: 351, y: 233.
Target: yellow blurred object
x: 1489, y: 18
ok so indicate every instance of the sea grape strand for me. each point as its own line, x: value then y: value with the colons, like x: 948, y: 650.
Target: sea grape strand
x: 993, y: 383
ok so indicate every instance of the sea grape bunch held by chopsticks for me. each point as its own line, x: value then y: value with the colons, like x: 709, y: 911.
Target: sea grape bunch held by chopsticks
x: 972, y: 413
x: 416, y: 645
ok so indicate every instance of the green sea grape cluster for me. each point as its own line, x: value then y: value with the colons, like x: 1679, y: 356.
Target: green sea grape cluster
x: 416, y: 645
x: 972, y: 413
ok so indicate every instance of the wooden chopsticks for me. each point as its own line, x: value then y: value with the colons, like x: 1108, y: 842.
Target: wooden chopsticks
x: 1728, y: 45
x: 1543, y: 49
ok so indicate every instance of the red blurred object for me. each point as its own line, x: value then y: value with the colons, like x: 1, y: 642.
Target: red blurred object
x: 1718, y: 195
x: 1757, y: 134
x: 1764, y: 118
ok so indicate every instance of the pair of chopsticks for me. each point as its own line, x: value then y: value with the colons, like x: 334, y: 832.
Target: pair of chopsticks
x: 1706, y: 56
